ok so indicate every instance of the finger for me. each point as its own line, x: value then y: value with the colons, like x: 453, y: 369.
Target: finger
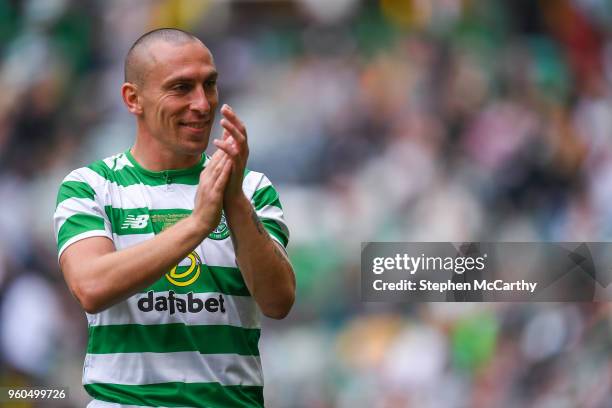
x: 210, y: 164
x: 234, y: 162
x: 216, y: 171
x: 212, y: 175
x: 214, y: 160
x: 216, y: 155
x: 233, y: 130
x: 229, y: 113
x: 228, y: 146
x: 224, y: 177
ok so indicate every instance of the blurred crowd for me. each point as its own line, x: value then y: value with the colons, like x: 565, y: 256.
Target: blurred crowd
x: 388, y: 120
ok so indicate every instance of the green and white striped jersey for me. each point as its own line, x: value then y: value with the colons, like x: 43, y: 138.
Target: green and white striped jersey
x: 191, y: 338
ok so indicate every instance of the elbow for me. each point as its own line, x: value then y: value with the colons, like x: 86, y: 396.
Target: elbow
x: 280, y: 308
x: 91, y: 307
x: 88, y: 299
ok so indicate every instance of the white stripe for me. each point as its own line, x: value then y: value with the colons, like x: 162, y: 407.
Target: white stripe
x: 76, y: 238
x: 136, y: 195
x: 186, y: 366
x: 73, y: 206
x: 176, y: 196
x: 153, y: 197
x: 240, y: 311
x: 212, y: 252
x: 250, y: 183
x: 126, y: 241
x: 276, y: 214
x: 272, y: 212
x: 218, y: 253
x: 87, y: 175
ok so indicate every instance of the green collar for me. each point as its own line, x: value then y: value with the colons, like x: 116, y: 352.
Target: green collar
x: 197, y: 168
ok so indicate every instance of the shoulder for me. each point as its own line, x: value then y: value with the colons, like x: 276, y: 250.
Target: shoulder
x: 260, y: 190
x: 100, y: 172
x: 254, y: 181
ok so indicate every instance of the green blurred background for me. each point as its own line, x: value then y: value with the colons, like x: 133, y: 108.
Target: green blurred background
x: 389, y: 120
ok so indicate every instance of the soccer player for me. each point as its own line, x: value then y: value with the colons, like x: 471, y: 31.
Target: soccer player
x: 173, y: 254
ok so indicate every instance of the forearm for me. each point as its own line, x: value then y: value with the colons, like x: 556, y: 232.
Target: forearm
x: 265, y: 268
x: 113, y: 276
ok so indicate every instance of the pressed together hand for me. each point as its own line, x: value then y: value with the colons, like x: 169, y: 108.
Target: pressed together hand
x: 221, y: 181
x: 234, y: 145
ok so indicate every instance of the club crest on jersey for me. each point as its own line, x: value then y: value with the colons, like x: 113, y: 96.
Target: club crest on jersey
x: 186, y: 272
x: 222, y: 230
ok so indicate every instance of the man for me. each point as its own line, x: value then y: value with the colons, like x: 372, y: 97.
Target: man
x: 173, y: 263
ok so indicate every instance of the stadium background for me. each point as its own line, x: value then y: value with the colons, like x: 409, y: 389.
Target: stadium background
x: 381, y: 120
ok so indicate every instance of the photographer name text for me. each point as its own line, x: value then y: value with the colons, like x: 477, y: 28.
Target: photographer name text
x: 427, y: 285
x: 458, y: 265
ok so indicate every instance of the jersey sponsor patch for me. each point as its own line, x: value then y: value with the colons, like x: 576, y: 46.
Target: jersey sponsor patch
x: 180, y: 303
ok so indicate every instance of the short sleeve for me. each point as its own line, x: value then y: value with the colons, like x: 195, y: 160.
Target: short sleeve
x: 78, y: 213
x: 268, y: 208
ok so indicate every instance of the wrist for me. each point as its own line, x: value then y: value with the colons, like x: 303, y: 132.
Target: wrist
x: 239, y: 206
x: 198, y: 228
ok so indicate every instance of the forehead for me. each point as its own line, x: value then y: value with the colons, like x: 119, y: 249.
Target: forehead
x: 167, y: 61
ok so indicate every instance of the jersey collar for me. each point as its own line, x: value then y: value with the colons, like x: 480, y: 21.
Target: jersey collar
x: 197, y: 168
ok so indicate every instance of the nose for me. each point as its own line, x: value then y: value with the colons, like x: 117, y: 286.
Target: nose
x: 199, y: 101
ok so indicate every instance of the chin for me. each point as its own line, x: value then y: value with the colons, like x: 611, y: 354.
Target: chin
x: 194, y: 148
x: 194, y: 143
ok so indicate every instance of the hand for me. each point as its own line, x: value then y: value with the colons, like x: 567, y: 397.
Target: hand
x: 209, y: 197
x: 234, y: 145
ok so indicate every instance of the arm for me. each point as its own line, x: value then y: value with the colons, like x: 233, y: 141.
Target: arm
x: 265, y: 268
x: 99, y: 276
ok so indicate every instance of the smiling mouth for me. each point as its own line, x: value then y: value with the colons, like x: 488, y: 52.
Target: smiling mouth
x: 194, y: 125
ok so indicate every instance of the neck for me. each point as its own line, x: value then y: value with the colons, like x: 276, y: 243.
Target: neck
x: 154, y: 156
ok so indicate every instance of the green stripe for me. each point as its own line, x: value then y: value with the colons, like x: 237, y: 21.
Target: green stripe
x: 275, y: 229
x: 200, y: 395
x: 128, y: 176
x: 74, y: 189
x: 175, y: 337
x: 220, y: 279
x: 78, y: 224
x: 120, y: 220
x: 266, y: 196
x: 158, y: 219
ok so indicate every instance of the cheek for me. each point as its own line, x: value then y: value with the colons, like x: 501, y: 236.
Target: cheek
x: 167, y: 112
x: 213, y: 98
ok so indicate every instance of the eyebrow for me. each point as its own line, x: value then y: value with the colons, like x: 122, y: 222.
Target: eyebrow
x: 181, y: 78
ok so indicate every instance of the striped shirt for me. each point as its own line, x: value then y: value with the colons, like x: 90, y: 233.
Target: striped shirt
x: 191, y: 338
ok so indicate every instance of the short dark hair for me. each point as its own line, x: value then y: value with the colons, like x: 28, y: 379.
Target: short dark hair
x: 133, y: 70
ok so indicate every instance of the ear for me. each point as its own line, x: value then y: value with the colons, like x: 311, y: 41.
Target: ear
x: 129, y: 92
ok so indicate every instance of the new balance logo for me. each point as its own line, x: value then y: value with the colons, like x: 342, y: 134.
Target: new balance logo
x: 135, y: 221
